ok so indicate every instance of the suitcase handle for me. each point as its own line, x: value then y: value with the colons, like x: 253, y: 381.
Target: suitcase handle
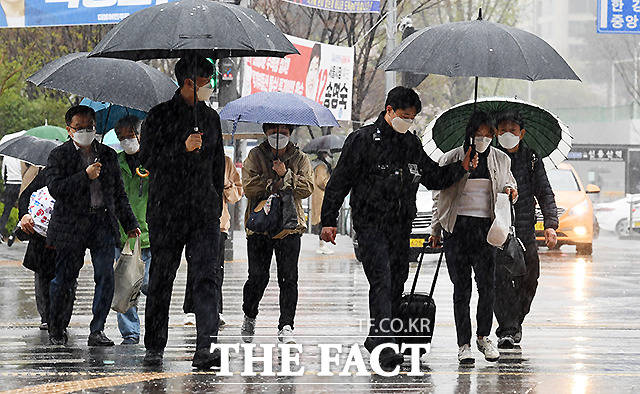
x: 435, y: 277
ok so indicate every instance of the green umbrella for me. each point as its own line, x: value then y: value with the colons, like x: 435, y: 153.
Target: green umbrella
x: 546, y: 133
x: 49, y: 133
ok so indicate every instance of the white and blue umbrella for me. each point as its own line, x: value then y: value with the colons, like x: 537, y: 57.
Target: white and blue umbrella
x: 278, y: 108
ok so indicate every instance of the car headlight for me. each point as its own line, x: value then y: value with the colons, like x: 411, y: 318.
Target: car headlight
x: 580, y: 209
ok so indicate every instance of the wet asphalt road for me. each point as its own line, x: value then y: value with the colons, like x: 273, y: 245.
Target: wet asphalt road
x: 582, y: 336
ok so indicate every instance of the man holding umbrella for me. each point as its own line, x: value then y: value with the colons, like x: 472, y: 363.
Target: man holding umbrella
x: 185, y: 203
x: 382, y: 166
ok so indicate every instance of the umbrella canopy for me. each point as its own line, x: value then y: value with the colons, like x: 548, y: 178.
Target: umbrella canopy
x: 30, y: 149
x: 331, y: 143
x: 49, y: 133
x: 107, y: 114
x: 123, y: 82
x: 111, y: 140
x: 546, y: 133
x: 478, y: 48
x: 178, y: 29
x: 11, y: 136
x: 280, y: 108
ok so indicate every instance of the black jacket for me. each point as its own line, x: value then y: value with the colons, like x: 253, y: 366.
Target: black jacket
x: 379, y: 166
x: 68, y: 184
x: 533, y: 184
x: 185, y: 188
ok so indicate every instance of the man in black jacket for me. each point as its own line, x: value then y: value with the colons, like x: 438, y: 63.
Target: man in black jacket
x: 186, y: 169
x: 513, y: 297
x: 382, y: 165
x: 83, y: 177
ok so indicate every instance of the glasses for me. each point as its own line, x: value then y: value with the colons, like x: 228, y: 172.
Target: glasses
x: 86, y: 129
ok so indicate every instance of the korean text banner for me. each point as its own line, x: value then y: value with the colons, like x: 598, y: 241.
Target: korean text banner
x: 351, y: 6
x: 618, y: 16
x: 29, y: 13
x: 322, y: 72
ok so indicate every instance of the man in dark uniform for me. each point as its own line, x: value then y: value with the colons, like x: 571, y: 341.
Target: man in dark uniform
x: 186, y: 169
x: 83, y: 176
x: 382, y: 165
x: 513, y: 298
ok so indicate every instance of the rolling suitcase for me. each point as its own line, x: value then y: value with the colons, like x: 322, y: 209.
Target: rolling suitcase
x: 417, y: 311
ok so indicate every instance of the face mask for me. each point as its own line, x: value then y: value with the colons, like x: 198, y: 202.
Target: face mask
x: 204, y: 92
x: 278, y: 141
x: 401, y: 125
x: 482, y: 143
x: 130, y: 146
x: 508, y: 140
x: 84, y: 137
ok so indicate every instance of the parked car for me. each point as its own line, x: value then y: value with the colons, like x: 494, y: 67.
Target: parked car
x: 614, y: 215
x: 420, y: 227
x: 578, y: 224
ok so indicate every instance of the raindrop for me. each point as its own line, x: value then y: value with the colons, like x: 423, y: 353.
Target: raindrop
x: 490, y: 49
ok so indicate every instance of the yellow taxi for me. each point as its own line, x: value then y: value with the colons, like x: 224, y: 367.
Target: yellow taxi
x: 575, y: 210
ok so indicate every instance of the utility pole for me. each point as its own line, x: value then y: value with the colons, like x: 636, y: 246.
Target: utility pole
x: 390, y: 76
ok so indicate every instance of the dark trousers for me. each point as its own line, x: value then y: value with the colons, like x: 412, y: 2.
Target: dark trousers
x: 69, y: 260
x: 202, y: 264
x: 9, y: 198
x: 187, y: 307
x: 466, y: 249
x: 260, y: 249
x: 515, y: 295
x: 385, y: 260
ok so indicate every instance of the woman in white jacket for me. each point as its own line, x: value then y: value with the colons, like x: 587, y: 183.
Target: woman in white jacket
x: 465, y: 212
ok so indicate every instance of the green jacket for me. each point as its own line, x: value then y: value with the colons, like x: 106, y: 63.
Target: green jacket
x: 137, y: 200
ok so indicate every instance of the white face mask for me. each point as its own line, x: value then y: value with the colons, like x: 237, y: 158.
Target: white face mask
x: 482, y: 143
x: 130, y: 146
x: 508, y: 140
x: 278, y: 141
x: 204, y: 92
x: 401, y: 125
x: 84, y: 137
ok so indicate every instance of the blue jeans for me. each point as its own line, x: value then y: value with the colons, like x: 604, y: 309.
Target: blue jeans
x: 129, y: 322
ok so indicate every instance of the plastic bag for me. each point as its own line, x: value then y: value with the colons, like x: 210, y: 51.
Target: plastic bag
x: 501, y: 225
x: 128, y: 276
x: 41, y: 208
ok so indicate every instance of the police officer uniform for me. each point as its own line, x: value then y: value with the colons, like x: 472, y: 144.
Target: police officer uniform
x: 382, y: 169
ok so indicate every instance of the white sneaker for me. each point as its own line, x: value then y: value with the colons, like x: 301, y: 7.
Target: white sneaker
x: 465, y: 356
x: 221, y: 321
x: 489, y: 350
x: 190, y: 319
x: 286, y: 335
x: 248, y: 329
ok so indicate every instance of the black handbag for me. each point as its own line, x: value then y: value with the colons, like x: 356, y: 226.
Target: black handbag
x: 275, y: 216
x: 511, y: 254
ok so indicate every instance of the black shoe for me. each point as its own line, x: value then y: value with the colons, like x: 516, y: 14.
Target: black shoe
x: 99, y: 339
x: 57, y: 341
x: 389, y: 359
x: 130, y: 341
x: 203, y: 359
x: 506, y: 342
x: 44, y: 326
x: 152, y: 358
x: 11, y: 240
x: 518, y: 335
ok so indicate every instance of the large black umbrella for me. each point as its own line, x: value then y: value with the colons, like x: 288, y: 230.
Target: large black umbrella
x: 117, y: 81
x: 187, y: 27
x: 330, y: 143
x: 30, y: 149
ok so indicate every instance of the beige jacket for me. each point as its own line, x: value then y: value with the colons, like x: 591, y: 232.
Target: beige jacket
x: 258, y: 178
x: 320, y: 180
x: 232, y: 192
x: 445, y: 202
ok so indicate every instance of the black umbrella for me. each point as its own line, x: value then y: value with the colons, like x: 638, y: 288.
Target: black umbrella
x: 478, y: 49
x: 208, y: 28
x: 30, y: 149
x: 117, y: 81
x: 332, y: 143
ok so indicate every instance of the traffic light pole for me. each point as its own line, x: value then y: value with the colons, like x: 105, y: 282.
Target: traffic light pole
x: 390, y: 76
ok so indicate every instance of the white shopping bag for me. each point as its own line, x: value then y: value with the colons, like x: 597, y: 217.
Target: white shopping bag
x: 128, y: 276
x: 41, y: 208
x: 501, y: 225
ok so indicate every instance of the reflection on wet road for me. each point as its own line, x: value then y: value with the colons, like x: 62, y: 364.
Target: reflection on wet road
x: 582, y: 335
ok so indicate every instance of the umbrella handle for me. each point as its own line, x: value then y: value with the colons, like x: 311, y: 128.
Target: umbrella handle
x: 142, y: 174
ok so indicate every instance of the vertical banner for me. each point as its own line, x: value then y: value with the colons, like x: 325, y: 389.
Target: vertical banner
x: 322, y: 72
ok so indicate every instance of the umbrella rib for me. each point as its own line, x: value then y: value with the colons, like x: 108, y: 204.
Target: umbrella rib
x: 519, y: 47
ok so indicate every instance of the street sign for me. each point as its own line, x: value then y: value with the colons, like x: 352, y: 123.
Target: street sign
x: 602, y: 153
x: 618, y: 16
